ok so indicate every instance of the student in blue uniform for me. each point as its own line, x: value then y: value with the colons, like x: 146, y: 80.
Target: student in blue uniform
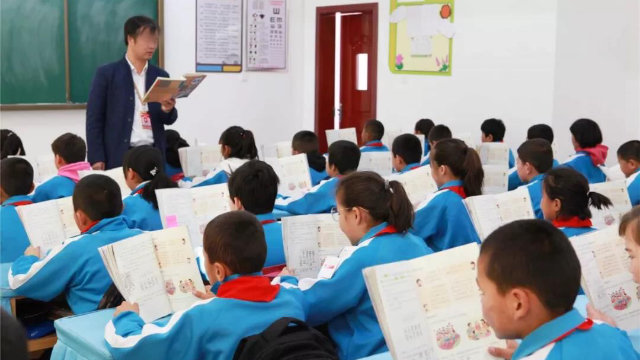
x: 443, y: 221
x: 70, y: 152
x: 371, y: 136
x: 306, y: 142
x: 75, y: 268
x: 629, y: 160
x: 16, y: 182
x: 539, y: 131
x: 144, y: 174
x: 535, y: 158
x: 437, y: 133
x: 254, y: 187
x: 493, y: 130
x: 529, y: 276
x: 590, y: 155
x: 407, y: 152
x: 245, y: 302
x: 566, y: 199
x: 375, y: 215
x: 423, y: 127
x: 344, y: 157
x: 10, y: 144
x: 172, y: 167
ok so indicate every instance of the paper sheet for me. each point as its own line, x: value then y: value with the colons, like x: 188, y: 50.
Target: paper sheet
x: 293, y: 172
x: 494, y: 154
x: 117, y: 174
x: 348, y: 134
x: 496, y: 179
x: 379, y: 162
x: 489, y: 212
x: 417, y: 183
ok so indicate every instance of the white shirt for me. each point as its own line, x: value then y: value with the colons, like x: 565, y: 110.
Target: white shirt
x: 139, y: 136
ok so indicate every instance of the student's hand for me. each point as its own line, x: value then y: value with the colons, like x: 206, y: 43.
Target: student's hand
x: 595, y: 314
x: 285, y: 272
x: 127, y: 306
x: 98, y: 166
x: 33, y: 250
x: 207, y: 294
x: 505, y: 353
x: 168, y: 105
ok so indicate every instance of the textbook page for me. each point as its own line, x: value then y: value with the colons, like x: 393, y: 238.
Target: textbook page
x: 617, y: 192
x: 293, y: 172
x: 468, y: 138
x: 283, y: 149
x: 44, y: 167
x: 489, y: 212
x: 494, y: 154
x: 614, y: 173
x: 348, y: 134
x: 116, y: 174
x: 165, y: 88
x: 606, y: 278
x: 49, y: 223
x: 308, y: 240
x: 496, y: 179
x: 390, y: 135
x: 417, y: 183
x: 377, y: 161
x: 199, y: 160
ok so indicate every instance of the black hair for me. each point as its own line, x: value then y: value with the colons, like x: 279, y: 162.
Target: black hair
x: 439, y: 132
x: 16, y: 176
x: 98, y: 196
x: 631, y: 220
x: 538, y: 153
x: 306, y: 142
x: 135, y: 25
x: 375, y: 128
x: 540, y: 131
x: 572, y: 189
x: 586, y: 132
x: 174, y: 142
x: 463, y: 161
x: 408, y: 147
x: 10, y: 144
x: 70, y: 147
x: 147, y: 162
x: 535, y: 255
x: 256, y: 185
x: 495, y: 128
x: 241, y: 143
x: 423, y: 126
x: 345, y: 156
x: 630, y: 150
x: 236, y: 239
x: 384, y: 200
x: 14, y: 338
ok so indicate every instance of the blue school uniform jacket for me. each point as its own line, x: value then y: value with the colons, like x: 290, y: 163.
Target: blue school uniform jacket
x: 595, y: 341
x: 209, y: 329
x: 75, y: 268
x: 343, y: 301
x: 55, y: 188
x: 535, y: 193
x: 515, y: 181
x: 320, y: 199
x: 410, y: 167
x: 633, y: 186
x: 219, y: 175
x: 13, y: 237
x: 426, y: 160
x: 427, y: 148
x: 443, y: 222
x: 273, y: 236
x: 375, y: 145
x: 512, y: 159
x: 582, y: 163
x: 140, y: 213
x: 317, y: 176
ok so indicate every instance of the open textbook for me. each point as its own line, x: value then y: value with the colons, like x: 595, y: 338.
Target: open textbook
x: 614, y: 173
x: 157, y: 270
x: 49, y: 223
x: 418, y: 184
x: 605, y: 276
x: 117, y: 174
x: 199, y: 160
x: 192, y: 208
x: 496, y: 179
x: 468, y: 138
x: 494, y: 154
x: 617, y: 192
x: 429, y: 307
x: 165, y: 88
x: 309, y: 240
x: 376, y: 161
x: 44, y: 167
x: 348, y: 134
x: 293, y: 173
x: 489, y: 212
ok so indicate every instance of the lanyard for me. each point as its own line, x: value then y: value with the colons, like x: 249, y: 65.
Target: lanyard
x: 135, y: 87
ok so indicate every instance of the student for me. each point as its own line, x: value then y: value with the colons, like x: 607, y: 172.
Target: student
x: 174, y: 142
x: 443, y: 221
x: 10, y: 144
x: 144, y: 174
x: 407, y: 152
x: 75, y: 268
x: 16, y: 182
x: 566, y: 199
x: 493, y: 130
x: 539, y: 131
x: 239, y: 304
x: 371, y: 136
x: 375, y: 215
x: 306, y: 142
x: 253, y: 187
x: 423, y: 127
x: 535, y: 158
x: 529, y: 276
x: 344, y: 157
x: 629, y: 160
x: 437, y: 133
x: 238, y: 147
x: 590, y: 153
x: 70, y: 152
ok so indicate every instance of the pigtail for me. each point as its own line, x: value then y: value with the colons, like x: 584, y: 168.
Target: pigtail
x: 598, y: 200
x: 249, y: 149
x: 401, y: 212
x: 474, y: 173
x: 147, y: 162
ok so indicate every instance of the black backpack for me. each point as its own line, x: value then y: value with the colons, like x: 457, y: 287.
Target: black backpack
x: 284, y: 341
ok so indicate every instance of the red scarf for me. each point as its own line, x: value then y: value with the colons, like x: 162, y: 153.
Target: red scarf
x: 249, y: 288
x: 584, y: 326
x: 574, y: 222
x: 20, y: 203
x: 92, y: 224
x: 458, y: 189
x: 266, y: 222
x: 374, y: 144
x: 598, y: 154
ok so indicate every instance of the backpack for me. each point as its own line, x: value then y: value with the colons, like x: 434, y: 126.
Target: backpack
x: 286, y: 339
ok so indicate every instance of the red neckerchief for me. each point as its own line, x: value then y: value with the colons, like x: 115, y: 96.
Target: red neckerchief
x: 139, y: 191
x: 584, y: 326
x: 574, y: 222
x: 273, y: 271
x: 177, y: 177
x: 458, y: 189
x: 265, y: 222
x: 375, y: 144
x: 249, y: 288
x: 389, y: 229
x: 92, y: 224
x: 20, y: 203
x: 415, y: 167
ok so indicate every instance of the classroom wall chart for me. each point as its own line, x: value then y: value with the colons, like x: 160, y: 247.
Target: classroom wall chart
x: 219, y: 35
x: 266, y: 34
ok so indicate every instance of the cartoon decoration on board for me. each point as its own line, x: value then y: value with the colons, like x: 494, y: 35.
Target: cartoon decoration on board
x: 447, y: 337
x: 620, y: 300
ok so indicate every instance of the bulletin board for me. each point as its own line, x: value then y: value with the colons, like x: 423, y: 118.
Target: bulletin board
x: 421, y: 37
x: 219, y: 35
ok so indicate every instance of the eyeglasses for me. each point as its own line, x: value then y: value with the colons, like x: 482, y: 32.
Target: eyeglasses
x: 335, y: 212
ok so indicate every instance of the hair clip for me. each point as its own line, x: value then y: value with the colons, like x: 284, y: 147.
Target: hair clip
x: 154, y: 171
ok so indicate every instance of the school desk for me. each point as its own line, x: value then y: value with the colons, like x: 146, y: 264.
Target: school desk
x: 81, y: 337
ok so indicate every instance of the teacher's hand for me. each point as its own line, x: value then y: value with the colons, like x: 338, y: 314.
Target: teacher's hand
x: 98, y: 166
x: 168, y: 105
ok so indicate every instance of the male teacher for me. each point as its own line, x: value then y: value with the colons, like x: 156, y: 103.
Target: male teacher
x: 117, y: 120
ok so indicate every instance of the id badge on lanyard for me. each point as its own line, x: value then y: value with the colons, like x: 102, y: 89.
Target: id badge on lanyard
x: 145, y: 117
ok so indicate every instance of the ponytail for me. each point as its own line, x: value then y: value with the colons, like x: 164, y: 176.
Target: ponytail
x: 241, y: 142
x: 147, y: 162
x: 384, y: 200
x: 174, y: 142
x: 464, y: 163
x: 598, y: 200
x: 572, y: 189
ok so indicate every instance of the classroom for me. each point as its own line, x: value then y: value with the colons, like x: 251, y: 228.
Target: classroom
x: 345, y: 179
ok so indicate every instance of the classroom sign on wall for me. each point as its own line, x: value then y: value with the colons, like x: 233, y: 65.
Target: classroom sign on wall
x: 219, y: 35
x: 421, y: 37
x: 266, y: 34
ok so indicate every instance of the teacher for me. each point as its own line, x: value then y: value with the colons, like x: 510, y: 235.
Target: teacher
x: 117, y: 120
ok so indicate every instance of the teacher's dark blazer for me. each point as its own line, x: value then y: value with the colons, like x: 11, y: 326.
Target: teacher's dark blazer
x: 110, y: 113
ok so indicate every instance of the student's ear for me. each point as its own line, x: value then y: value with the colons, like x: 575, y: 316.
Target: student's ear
x: 237, y: 204
x: 33, y: 187
x: 359, y: 214
x: 519, y: 303
x: 556, y: 205
x: 332, y: 170
x: 226, y: 150
x: 59, y: 161
x: 220, y: 272
x: 82, y: 220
